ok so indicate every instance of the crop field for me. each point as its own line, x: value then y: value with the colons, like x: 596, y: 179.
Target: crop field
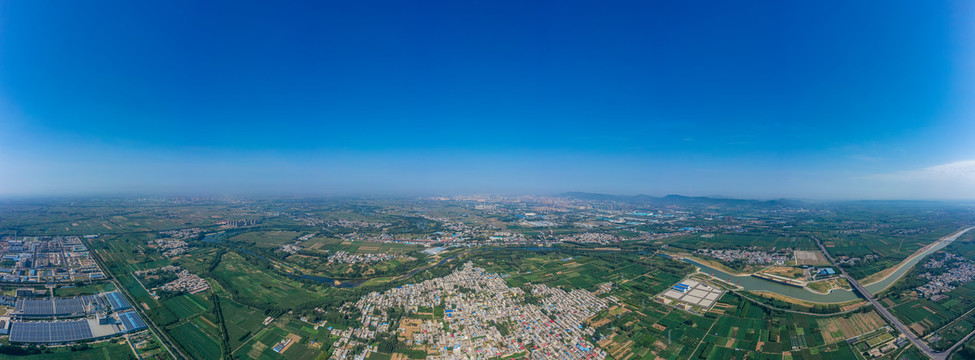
x: 635, y: 290
x: 195, y: 341
x: 199, y: 260
x: 810, y: 257
x: 128, y: 253
x: 64, y: 219
x: 750, y: 329
x: 320, y: 242
x: 241, y: 321
x: 98, y: 351
x: 784, y: 271
x: 67, y: 291
x: 583, y: 271
x: 254, y: 285
x: 273, y: 239
x: 322, y: 245
x: 734, y: 328
x: 253, y: 280
x: 760, y: 239
x: 837, y: 329
x: 924, y: 316
x: 954, y: 332
x: 312, y: 342
x: 186, y: 306
x: 879, y: 339
x: 901, y: 236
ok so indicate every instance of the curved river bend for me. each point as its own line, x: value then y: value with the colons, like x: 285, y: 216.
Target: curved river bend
x: 836, y: 296
x: 752, y: 283
x: 884, y: 283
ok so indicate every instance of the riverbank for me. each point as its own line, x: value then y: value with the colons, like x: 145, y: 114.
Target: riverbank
x: 751, y: 283
x: 898, y: 271
x: 826, y: 286
x: 844, y: 306
x: 711, y: 263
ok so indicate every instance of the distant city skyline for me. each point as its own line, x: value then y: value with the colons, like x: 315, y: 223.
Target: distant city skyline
x: 763, y: 100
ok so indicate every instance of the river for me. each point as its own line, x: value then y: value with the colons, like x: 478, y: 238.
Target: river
x: 752, y: 283
x: 879, y: 286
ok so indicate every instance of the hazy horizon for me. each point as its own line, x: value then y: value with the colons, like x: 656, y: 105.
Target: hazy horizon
x: 756, y: 101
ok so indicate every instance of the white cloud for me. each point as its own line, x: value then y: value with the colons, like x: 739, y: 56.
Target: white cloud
x: 956, y: 171
x: 955, y: 180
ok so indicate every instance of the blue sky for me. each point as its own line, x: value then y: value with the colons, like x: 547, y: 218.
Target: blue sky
x: 765, y: 99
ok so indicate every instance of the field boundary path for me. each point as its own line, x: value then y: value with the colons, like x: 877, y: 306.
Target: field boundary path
x: 773, y: 308
x: 920, y: 253
x: 921, y: 344
x: 167, y: 343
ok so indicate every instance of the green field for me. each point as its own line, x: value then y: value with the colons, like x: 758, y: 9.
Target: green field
x: 186, y: 306
x: 242, y: 322
x: 67, y: 291
x: 271, y: 239
x: 196, y: 341
x: 757, y: 238
x: 952, y: 312
x: 98, y: 351
x: 251, y: 284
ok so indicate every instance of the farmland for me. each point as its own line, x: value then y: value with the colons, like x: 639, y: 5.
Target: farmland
x: 103, y: 350
x: 946, y: 320
x: 271, y: 275
x: 756, y: 239
x: 732, y: 327
x: 810, y: 257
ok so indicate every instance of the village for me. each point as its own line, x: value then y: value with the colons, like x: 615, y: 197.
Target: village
x: 482, y: 317
x: 347, y: 258
x: 185, y: 281
x: 753, y: 257
x: 958, y: 271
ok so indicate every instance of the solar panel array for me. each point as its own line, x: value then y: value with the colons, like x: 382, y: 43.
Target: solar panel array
x: 131, y: 321
x: 118, y: 301
x: 49, y: 307
x: 34, y: 307
x: 50, y: 332
x: 95, y: 303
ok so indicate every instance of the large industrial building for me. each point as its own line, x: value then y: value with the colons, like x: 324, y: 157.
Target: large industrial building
x: 67, y: 320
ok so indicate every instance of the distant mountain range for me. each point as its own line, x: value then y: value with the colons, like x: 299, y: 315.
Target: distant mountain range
x: 681, y: 200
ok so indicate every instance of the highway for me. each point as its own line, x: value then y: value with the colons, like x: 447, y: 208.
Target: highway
x: 921, y: 344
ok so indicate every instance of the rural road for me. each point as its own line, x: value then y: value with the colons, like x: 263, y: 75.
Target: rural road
x: 921, y: 344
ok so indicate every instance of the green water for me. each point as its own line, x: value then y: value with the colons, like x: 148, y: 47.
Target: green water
x: 883, y: 284
x: 751, y: 283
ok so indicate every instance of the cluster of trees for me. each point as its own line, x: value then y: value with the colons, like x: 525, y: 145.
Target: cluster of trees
x: 779, y: 304
x: 967, y: 351
x: 222, y: 326
x: 159, y: 279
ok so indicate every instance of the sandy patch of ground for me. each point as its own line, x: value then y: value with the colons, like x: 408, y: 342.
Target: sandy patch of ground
x: 408, y: 327
x: 294, y: 340
x: 784, y: 271
x: 804, y: 257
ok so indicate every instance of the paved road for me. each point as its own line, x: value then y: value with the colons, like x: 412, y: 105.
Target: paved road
x: 921, y: 344
x: 163, y: 338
